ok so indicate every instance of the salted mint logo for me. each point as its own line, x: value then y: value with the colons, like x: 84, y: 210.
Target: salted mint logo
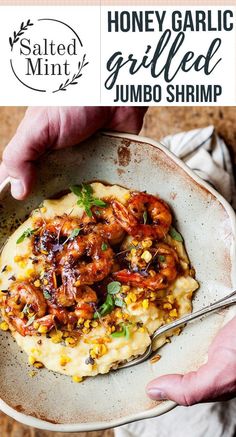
x: 47, y: 55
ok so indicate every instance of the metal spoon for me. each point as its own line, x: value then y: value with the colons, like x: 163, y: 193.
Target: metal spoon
x: 225, y: 302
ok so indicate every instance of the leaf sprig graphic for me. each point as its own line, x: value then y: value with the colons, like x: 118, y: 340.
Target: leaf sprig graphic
x: 16, y: 35
x: 75, y: 77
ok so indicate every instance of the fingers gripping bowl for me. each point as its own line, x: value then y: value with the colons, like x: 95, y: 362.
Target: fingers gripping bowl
x: 132, y: 162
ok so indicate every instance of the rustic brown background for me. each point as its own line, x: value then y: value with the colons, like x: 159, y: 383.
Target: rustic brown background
x: 158, y: 123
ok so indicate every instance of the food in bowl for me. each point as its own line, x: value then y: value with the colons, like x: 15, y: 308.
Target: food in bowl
x: 89, y: 277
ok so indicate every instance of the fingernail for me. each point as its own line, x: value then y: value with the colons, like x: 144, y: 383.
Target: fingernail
x: 17, y: 189
x: 156, y: 394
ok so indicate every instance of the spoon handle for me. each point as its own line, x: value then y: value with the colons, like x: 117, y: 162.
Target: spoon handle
x: 225, y: 302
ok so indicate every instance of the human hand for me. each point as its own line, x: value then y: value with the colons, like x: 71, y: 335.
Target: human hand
x: 214, y: 381
x: 45, y: 128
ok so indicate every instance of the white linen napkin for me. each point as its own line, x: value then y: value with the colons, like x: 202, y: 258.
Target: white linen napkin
x: 207, y: 155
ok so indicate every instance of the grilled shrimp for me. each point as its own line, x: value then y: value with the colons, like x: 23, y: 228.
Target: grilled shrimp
x: 159, y: 273
x: 86, y: 257
x: 107, y: 225
x: 141, y: 209
x: 25, y: 299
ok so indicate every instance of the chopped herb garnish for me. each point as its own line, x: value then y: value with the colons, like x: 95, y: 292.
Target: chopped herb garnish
x: 125, y: 332
x: 113, y: 287
x: 145, y: 217
x: 30, y: 321
x: 105, y: 308
x: 104, y: 246
x: 86, y: 199
x: 161, y: 258
x: 75, y: 233
x: 26, y: 234
x: 175, y: 235
x: 47, y: 295
x: 26, y: 309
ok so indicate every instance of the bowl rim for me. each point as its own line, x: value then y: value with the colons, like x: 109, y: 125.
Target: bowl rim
x: 164, y: 406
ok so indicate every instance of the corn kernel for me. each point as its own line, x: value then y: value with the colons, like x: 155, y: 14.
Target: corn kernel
x: 31, y: 360
x: 127, y: 196
x: 135, y: 243
x: 145, y: 304
x: 29, y: 273
x: 173, y: 313
x: 87, y: 323
x: 152, y: 273
x: 64, y: 360
x: 38, y: 365
x: 80, y: 321
x: 147, y: 256
x: 36, y: 325
x: 70, y: 341
x: 45, y: 282
x: 56, y: 337
x: 125, y: 288
x: 21, y: 315
x: 17, y: 258
x: 42, y: 329
x: 132, y: 297
x: 146, y: 244
x: 4, y: 326
x: 167, y: 306
x: 113, y: 328
x: 77, y: 283
x: 94, y: 324
x: 43, y: 209
x: 37, y: 283
x: 119, y: 314
x: 22, y: 264
x: 127, y: 300
x: 77, y: 378
x: 141, y: 329
x: 93, y: 355
x: 103, y: 349
x: 45, y: 252
x: 171, y: 298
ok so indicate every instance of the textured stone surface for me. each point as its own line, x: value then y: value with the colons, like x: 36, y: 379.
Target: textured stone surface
x: 160, y: 121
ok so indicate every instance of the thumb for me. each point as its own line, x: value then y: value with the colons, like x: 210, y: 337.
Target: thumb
x: 204, y: 385
x: 29, y: 142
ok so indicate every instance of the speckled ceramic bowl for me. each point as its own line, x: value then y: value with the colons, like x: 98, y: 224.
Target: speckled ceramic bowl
x: 51, y: 401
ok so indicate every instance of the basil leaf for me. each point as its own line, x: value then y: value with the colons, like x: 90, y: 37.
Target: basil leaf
x: 86, y: 199
x: 119, y: 302
x: 76, y: 189
x: 75, y: 233
x: 113, y: 287
x: 175, y: 235
x: 161, y: 258
x: 30, y: 321
x: 26, y: 234
x: 99, y: 202
x: 105, y: 308
x: 104, y: 247
x: 125, y: 332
